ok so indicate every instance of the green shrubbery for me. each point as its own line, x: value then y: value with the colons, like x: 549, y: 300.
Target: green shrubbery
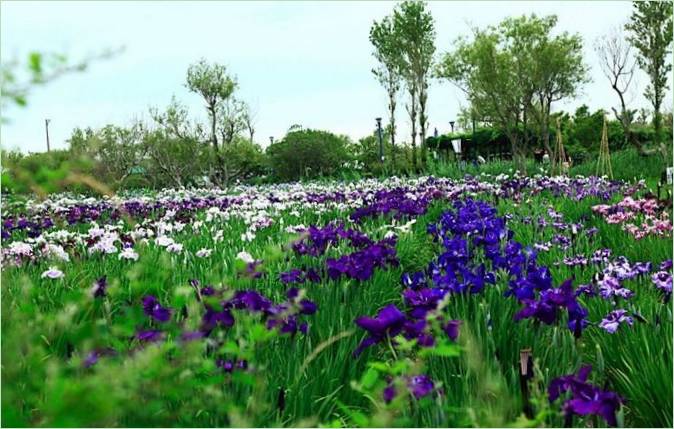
x: 307, y: 154
x: 581, y: 134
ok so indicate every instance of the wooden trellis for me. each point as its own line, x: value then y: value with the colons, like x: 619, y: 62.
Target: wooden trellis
x: 604, y: 161
x: 559, y: 163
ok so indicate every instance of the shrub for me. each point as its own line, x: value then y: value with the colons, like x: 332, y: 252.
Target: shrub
x: 307, y: 154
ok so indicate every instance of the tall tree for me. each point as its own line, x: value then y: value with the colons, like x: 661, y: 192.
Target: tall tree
x: 248, y: 118
x: 415, y: 28
x: 650, y: 32
x: 513, y: 72
x: 618, y: 67
x: 387, y: 52
x: 559, y: 70
x: 215, y: 86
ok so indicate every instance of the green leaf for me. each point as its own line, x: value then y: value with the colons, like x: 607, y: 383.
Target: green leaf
x: 369, y: 378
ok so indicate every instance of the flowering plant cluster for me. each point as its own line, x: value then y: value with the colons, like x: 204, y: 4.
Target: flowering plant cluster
x: 586, y: 398
x: 499, y: 251
x: 641, y: 218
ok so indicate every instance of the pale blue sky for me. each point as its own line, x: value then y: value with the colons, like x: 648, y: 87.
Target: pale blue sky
x: 296, y: 62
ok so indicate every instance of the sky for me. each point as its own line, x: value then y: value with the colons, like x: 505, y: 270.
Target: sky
x: 306, y: 63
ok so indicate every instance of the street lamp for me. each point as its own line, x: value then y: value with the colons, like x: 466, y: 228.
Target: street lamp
x: 271, y: 139
x: 46, y: 128
x: 451, y: 123
x: 381, y: 143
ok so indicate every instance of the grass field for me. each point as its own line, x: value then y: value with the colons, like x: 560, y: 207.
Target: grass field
x: 393, y: 302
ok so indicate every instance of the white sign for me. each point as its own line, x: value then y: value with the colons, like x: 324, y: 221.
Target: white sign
x: 670, y: 173
x: 456, y: 145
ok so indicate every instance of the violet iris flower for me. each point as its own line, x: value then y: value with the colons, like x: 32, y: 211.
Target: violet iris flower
x: 389, y: 322
x: 612, y: 321
x: 153, y: 309
x: 418, y: 385
x: 586, y: 398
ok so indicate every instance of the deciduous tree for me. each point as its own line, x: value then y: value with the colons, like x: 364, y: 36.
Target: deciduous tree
x: 650, y: 32
x: 388, y: 72
x: 415, y: 29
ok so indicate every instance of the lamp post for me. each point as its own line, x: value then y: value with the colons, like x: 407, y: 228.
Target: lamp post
x: 451, y: 123
x: 271, y: 139
x: 46, y: 128
x: 381, y: 143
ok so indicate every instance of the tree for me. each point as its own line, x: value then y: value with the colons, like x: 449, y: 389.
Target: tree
x: 307, y: 153
x: 174, y: 120
x: 650, y: 32
x: 231, y: 120
x: 618, y: 67
x: 559, y: 70
x: 177, y: 149
x: 174, y: 161
x: 387, y: 52
x: 488, y: 70
x: 120, y: 150
x: 215, y: 86
x: 249, y: 117
x: 415, y: 28
x: 513, y: 72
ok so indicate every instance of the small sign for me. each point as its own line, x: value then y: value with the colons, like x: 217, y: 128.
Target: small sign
x: 670, y: 173
x: 456, y: 145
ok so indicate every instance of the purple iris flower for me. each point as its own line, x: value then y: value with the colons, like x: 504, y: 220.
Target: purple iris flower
x: 418, y: 385
x: 91, y: 359
x: 451, y: 328
x: 149, y: 336
x: 610, y: 286
x: 191, y: 336
x: 213, y: 318
x: 414, y: 281
x: 423, y: 300
x: 99, y: 288
x: 586, y: 399
x: 612, y: 321
x: 292, y: 276
x: 388, y: 322
x: 153, y: 309
x: 550, y: 301
x: 663, y: 281
x: 251, y: 300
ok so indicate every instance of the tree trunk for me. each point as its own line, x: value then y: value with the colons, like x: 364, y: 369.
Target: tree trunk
x: 392, y: 121
x: 545, y: 132
x: 219, y: 161
x: 423, y: 97
x: 412, y: 110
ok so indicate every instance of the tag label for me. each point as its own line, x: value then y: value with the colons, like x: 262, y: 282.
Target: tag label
x: 670, y: 173
x: 456, y: 145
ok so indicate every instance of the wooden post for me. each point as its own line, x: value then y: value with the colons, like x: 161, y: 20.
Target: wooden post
x: 526, y: 370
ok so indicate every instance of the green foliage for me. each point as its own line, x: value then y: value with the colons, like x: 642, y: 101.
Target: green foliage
x: 19, y: 78
x: 211, y: 81
x: 414, y: 29
x: 650, y: 30
x: 628, y: 165
x: 513, y: 71
x: 42, y: 173
x: 307, y: 154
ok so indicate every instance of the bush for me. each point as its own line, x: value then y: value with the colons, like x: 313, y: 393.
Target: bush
x: 45, y: 172
x: 307, y: 154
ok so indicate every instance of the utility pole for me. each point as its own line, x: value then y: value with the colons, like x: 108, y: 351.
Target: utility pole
x: 46, y: 127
